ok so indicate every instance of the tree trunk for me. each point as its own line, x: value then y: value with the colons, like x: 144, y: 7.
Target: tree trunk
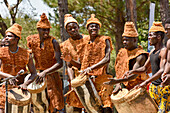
x: 164, y: 8
x: 3, y: 27
x: 131, y: 11
x: 63, y: 9
x: 120, y: 21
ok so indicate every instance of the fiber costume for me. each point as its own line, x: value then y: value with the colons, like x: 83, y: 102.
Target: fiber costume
x: 45, y: 58
x: 12, y: 63
x: 125, y: 56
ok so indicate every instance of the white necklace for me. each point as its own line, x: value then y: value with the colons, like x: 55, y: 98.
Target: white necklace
x: 14, y: 51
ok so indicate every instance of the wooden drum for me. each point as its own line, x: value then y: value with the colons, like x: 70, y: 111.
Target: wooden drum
x: 39, y: 96
x: 89, y: 97
x: 134, y: 101
x: 18, y: 102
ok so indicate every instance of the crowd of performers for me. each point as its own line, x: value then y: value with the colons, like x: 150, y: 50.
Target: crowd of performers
x: 88, y: 56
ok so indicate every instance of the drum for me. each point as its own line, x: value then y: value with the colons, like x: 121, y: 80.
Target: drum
x: 119, y: 101
x: 38, y: 96
x: 89, y: 96
x: 18, y: 102
x: 135, y: 101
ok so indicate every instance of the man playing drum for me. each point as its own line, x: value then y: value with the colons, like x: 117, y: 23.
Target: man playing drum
x: 47, y: 54
x: 72, y: 52
x: 14, y: 59
x: 157, y: 59
x: 96, y: 57
x: 130, y: 57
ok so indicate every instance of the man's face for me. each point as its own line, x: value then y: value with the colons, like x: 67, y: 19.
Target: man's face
x: 153, y: 38
x: 129, y: 43
x: 72, y: 29
x: 167, y: 29
x: 93, y: 29
x: 10, y: 39
x: 44, y: 32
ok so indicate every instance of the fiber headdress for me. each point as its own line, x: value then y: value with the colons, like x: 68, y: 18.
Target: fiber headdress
x: 130, y: 30
x: 157, y: 26
x: 92, y: 19
x: 16, y: 29
x: 43, y: 23
x: 69, y: 19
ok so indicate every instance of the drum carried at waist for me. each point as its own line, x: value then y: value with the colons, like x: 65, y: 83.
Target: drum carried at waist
x: 39, y: 96
x: 18, y: 102
x: 134, y: 101
x: 85, y: 90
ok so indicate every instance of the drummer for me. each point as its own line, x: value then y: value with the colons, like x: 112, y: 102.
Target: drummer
x: 130, y: 57
x: 157, y: 59
x: 96, y: 58
x: 15, y: 58
x: 46, y: 51
x: 72, y: 52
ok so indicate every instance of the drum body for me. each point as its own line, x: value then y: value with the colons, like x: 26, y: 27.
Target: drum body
x: 89, y: 97
x: 134, y: 101
x: 18, y: 102
x: 39, y: 97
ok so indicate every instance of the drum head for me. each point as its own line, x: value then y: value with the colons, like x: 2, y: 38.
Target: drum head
x: 119, y: 95
x: 17, y: 97
x: 35, y: 88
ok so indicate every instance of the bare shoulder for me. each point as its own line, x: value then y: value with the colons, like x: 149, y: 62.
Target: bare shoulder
x: 168, y: 44
x: 163, y: 53
x: 141, y: 57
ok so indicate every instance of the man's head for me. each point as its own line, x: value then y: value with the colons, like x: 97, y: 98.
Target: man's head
x: 93, y: 26
x: 71, y: 25
x: 167, y: 27
x: 12, y: 35
x: 43, y: 26
x: 130, y: 35
x: 156, y: 33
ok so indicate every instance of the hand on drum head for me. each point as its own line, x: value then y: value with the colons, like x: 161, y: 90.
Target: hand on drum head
x: 40, y: 78
x: 13, y: 81
x: 117, y: 88
x: 66, y: 58
x: 23, y: 87
x: 111, y: 82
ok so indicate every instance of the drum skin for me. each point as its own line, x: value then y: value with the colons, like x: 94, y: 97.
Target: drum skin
x: 18, y: 102
x: 135, y: 101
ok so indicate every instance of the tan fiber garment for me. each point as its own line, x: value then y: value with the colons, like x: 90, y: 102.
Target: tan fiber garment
x: 45, y: 58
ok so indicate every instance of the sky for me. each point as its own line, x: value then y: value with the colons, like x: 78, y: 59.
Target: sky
x: 38, y: 7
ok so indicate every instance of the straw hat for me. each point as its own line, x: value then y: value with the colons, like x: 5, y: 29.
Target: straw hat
x: 44, y: 22
x: 157, y: 26
x: 68, y: 18
x: 16, y: 29
x: 130, y: 30
x: 92, y: 19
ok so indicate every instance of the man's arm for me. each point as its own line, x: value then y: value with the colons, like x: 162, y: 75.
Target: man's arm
x: 5, y: 75
x: 59, y: 63
x: 33, y: 72
x: 157, y: 75
x: 70, y: 71
x: 140, y: 61
x: 166, y: 79
x: 68, y: 58
x: 104, y: 61
x: 142, y: 69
